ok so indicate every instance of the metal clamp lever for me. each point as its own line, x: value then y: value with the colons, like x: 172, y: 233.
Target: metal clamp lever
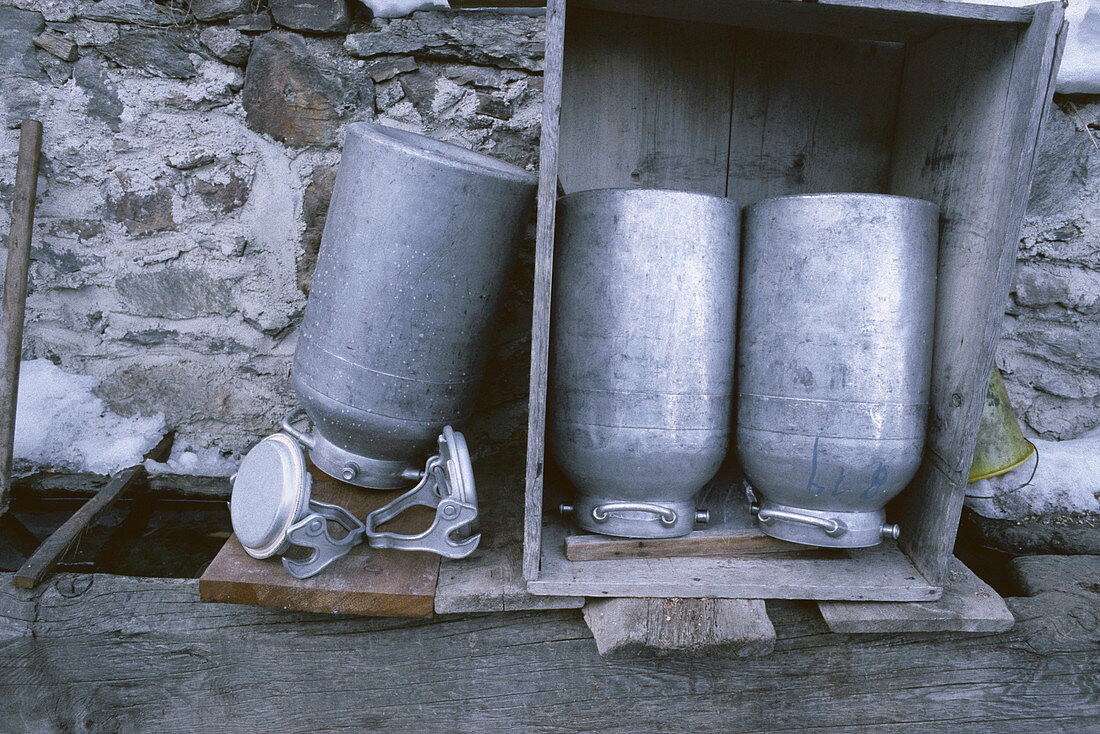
x: 833, y: 528
x: 312, y: 532
x: 666, y: 515
x: 447, y: 485
x: 305, y: 439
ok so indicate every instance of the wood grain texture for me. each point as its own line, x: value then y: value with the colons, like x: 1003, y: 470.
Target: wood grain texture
x: 116, y: 654
x: 368, y: 581
x: 21, y: 228
x: 803, y: 122
x: 882, y: 573
x: 540, y: 292
x: 880, y: 20
x: 967, y: 141
x: 157, y: 486
x: 730, y: 628
x: 707, y: 543
x: 65, y: 537
x: 968, y: 604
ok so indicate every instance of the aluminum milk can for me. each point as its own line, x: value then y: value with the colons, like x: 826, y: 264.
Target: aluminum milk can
x: 418, y: 240
x: 834, y: 360
x: 642, y: 353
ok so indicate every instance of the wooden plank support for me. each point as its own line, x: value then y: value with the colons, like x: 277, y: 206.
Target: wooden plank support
x: 54, y: 548
x: 491, y: 581
x: 113, y: 653
x: 716, y: 543
x: 155, y: 486
x: 968, y: 604
x: 24, y: 196
x: 730, y: 628
x: 367, y: 581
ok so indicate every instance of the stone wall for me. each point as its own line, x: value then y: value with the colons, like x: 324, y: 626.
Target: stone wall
x: 189, y: 155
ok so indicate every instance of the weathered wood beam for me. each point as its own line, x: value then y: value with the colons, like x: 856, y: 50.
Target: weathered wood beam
x: 110, y: 653
x: 57, y: 545
x: 156, y: 486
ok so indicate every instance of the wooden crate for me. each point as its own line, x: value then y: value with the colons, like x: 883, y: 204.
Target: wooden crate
x: 756, y: 98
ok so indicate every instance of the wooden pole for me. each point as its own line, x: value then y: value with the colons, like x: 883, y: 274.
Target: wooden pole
x: 15, y: 292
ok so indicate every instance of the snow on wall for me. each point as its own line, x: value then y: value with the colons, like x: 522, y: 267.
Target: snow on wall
x: 60, y: 423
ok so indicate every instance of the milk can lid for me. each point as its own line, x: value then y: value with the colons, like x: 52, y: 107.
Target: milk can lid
x: 270, y: 492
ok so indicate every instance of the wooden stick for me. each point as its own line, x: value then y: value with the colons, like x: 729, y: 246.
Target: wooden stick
x: 15, y: 292
x: 57, y: 545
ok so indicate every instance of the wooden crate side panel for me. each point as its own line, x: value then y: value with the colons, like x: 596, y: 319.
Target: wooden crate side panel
x: 972, y: 104
x: 810, y: 114
x: 544, y: 263
x: 645, y: 103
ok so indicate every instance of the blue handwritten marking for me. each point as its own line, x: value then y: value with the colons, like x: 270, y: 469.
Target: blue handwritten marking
x: 812, y: 488
x: 836, y: 487
x: 878, y: 481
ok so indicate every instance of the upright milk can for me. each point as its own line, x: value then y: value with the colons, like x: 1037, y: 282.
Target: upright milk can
x: 417, y: 242
x: 834, y: 360
x: 642, y: 353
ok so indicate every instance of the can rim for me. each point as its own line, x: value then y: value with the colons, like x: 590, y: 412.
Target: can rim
x: 440, y: 151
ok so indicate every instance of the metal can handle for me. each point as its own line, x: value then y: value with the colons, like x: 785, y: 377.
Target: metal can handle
x: 306, y: 439
x: 833, y: 528
x: 666, y: 515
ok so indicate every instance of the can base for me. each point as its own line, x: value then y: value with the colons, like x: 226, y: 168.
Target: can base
x: 362, y: 471
x: 634, y: 519
x: 824, y: 528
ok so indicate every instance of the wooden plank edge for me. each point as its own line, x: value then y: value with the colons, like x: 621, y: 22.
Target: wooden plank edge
x: 968, y: 604
x: 647, y: 627
x: 382, y: 604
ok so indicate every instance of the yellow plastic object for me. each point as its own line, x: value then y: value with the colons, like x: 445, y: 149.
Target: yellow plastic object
x: 1001, y: 445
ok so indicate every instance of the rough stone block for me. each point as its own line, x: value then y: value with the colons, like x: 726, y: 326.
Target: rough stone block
x: 228, y: 44
x: 175, y: 293
x: 223, y: 192
x: 292, y: 96
x: 136, y: 12
x: 156, y: 51
x: 209, y: 10
x: 315, y: 203
x: 252, y: 23
x: 317, y: 16
x: 143, y: 214
x: 482, y: 37
x: 385, y: 70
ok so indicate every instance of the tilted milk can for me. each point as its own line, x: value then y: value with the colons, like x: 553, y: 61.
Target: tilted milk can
x: 416, y: 246
x: 642, y: 354
x: 834, y: 360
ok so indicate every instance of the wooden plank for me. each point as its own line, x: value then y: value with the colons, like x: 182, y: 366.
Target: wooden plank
x: 540, y: 291
x: 967, y: 141
x: 1078, y: 575
x: 156, y: 486
x: 882, y: 20
x: 730, y: 628
x: 18, y: 262
x: 709, y: 543
x: 628, y: 119
x: 368, y: 581
x: 882, y: 573
x: 57, y: 545
x: 56, y: 44
x: 803, y: 122
x: 968, y: 604
x: 110, y: 653
x: 491, y: 579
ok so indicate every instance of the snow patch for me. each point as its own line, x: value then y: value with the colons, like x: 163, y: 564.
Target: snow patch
x: 1067, y: 482
x: 201, y: 462
x: 61, y: 424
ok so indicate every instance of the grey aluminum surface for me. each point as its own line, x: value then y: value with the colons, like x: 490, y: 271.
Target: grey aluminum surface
x: 834, y: 360
x: 447, y: 486
x: 416, y: 246
x: 642, y: 354
x: 271, y: 509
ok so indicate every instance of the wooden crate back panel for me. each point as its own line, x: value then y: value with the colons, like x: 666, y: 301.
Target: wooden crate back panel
x: 649, y: 102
